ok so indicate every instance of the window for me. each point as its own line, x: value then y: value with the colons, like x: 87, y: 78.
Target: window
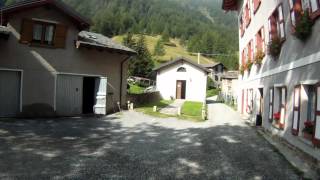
x: 256, y: 5
x: 295, y: 11
x: 279, y: 106
x: 241, y: 24
x: 276, y: 24
x: 247, y: 14
x: 181, y: 69
x: 311, y: 103
x: 296, y: 110
x: 43, y: 33
x: 314, y: 5
x: 260, y: 42
x: 271, y: 104
x: 243, y: 57
x: 250, y: 51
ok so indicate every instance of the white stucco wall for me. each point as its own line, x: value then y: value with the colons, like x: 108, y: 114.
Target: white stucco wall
x: 196, y: 82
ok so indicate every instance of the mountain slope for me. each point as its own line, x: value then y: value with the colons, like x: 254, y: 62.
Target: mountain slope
x: 171, y: 52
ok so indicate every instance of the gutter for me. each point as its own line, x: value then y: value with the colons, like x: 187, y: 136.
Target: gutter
x: 121, y: 79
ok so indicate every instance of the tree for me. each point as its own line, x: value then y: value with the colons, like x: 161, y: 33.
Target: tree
x: 159, y: 48
x: 142, y: 64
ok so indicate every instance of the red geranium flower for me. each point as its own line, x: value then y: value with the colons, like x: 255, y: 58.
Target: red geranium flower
x: 277, y: 115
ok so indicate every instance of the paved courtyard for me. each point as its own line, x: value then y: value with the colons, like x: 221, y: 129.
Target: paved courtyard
x: 135, y: 146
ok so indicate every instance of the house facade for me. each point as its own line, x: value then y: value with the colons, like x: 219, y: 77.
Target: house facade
x: 229, y: 86
x: 217, y: 71
x: 182, y: 79
x: 51, y: 66
x: 280, y: 72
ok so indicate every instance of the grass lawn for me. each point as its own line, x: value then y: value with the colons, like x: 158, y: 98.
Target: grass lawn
x: 192, y: 110
x: 135, y: 89
x: 213, y: 92
x: 148, y: 108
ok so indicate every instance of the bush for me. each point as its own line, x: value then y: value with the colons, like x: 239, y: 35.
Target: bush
x: 304, y: 27
x: 274, y: 47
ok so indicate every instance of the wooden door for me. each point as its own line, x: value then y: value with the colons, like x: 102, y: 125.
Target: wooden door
x: 181, y: 89
x: 296, y: 111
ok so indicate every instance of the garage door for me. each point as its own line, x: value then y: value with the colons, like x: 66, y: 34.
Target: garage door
x: 69, y: 95
x: 10, y: 82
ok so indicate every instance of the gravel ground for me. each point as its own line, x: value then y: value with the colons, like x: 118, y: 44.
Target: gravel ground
x: 136, y: 146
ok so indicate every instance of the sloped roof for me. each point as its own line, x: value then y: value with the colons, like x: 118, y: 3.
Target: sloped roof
x: 81, y: 21
x: 90, y: 39
x: 181, y: 59
x: 230, y: 75
x: 211, y: 65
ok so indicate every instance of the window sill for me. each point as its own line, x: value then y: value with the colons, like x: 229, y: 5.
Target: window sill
x: 42, y: 45
x: 315, y: 15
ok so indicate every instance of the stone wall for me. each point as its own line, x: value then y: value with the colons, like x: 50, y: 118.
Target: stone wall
x: 145, y: 98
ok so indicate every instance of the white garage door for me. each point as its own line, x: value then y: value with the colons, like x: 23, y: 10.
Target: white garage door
x: 69, y: 95
x: 10, y: 82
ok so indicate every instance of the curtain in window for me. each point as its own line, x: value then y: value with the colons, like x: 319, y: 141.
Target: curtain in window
x: 37, y: 32
x: 49, y: 34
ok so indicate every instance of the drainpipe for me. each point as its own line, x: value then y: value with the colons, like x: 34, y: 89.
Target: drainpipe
x: 121, y: 79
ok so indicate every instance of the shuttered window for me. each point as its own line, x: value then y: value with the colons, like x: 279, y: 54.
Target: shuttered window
x: 283, y: 100
x: 260, y: 41
x: 314, y: 5
x: 256, y: 5
x: 43, y: 33
x: 248, y: 13
x: 316, y: 138
x: 271, y: 104
x: 296, y: 110
x: 295, y: 11
x: 250, y: 51
x: 277, y: 24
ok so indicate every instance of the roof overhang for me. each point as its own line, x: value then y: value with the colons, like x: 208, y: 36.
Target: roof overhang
x: 230, y: 5
x: 78, y: 19
x: 100, y: 47
x: 179, y: 60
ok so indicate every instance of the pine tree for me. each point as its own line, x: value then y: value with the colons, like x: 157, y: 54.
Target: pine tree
x: 159, y: 48
x: 142, y: 64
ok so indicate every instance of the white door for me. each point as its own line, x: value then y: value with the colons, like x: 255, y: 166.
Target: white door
x: 69, y: 95
x: 101, y: 96
x: 10, y: 82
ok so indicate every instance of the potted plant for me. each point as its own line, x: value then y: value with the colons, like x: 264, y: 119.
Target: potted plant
x: 308, y: 130
x: 276, y: 117
x: 259, y: 57
x: 242, y: 69
x: 274, y: 47
x: 303, y: 28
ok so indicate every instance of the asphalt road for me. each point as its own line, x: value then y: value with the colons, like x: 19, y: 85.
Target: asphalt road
x: 135, y: 146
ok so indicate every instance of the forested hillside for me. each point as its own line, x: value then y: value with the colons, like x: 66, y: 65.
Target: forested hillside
x: 200, y: 25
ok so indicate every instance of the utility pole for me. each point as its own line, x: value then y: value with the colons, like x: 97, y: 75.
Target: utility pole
x: 199, y: 58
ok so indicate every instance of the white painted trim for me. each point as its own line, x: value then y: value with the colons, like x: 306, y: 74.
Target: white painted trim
x: 77, y: 74
x: 279, y: 85
x: 55, y: 93
x: 309, y: 82
x: 21, y: 84
x: 311, y: 59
